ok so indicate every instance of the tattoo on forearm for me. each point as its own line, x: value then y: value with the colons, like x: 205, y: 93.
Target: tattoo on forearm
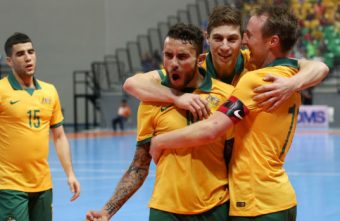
x: 131, y: 181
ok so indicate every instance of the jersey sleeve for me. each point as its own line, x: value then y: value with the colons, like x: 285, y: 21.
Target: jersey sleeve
x: 244, y: 90
x: 57, y: 115
x: 145, y: 123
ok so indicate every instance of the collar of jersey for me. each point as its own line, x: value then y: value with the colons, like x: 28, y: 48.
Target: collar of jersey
x: 284, y: 62
x: 239, y: 67
x: 15, y: 84
x: 205, y: 86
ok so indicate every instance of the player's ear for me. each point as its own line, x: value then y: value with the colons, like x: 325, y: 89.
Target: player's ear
x: 9, y: 61
x: 201, y: 59
x: 274, y: 41
x: 206, y: 37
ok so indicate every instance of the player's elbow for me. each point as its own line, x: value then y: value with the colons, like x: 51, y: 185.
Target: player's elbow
x: 129, y: 85
x: 215, y: 128
x: 325, y: 69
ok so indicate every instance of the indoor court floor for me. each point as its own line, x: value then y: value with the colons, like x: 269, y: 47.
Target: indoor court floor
x: 100, y: 159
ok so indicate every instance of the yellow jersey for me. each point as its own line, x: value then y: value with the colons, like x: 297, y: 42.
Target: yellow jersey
x: 26, y: 116
x: 258, y: 182
x: 188, y: 181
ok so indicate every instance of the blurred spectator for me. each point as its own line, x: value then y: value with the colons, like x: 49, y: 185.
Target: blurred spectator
x: 147, y: 62
x: 157, y: 59
x: 319, y: 31
x: 307, y: 96
x: 123, y: 114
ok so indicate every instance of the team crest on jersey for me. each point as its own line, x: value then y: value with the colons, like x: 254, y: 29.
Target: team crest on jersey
x: 213, y: 101
x: 46, y: 100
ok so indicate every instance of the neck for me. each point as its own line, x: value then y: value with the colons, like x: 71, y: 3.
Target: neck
x: 225, y: 70
x: 272, y: 56
x: 26, y: 81
x: 196, y: 81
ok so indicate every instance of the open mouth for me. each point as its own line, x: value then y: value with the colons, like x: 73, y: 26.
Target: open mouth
x: 224, y: 57
x: 175, y: 77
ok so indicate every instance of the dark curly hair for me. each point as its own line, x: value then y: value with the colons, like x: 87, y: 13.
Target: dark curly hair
x: 188, y: 33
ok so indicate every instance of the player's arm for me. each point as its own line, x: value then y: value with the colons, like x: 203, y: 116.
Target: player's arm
x: 131, y: 181
x: 148, y: 87
x: 271, y: 96
x: 202, y: 132
x: 64, y: 154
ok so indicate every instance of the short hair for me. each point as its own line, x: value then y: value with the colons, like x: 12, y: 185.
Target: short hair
x: 280, y: 22
x: 16, y: 38
x: 188, y: 33
x: 224, y: 15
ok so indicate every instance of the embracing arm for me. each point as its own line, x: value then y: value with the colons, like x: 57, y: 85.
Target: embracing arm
x: 63, y: 151
x: 147, y: 87
x: 311, y: 73
x: 271, y: 96
x: 196, y: 134
x: 131, y: 181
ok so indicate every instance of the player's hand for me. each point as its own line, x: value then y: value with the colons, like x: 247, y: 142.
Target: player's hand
x: 155, y: 150
x: 270, y: 96
x: 198, y: 107
x: 74, y: 187
x: 97, y: 215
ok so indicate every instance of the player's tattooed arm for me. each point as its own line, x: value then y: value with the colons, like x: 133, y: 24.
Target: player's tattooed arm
x: 131, y: 181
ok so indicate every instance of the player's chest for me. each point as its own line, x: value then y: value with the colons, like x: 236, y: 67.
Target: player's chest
x: 20, y: 104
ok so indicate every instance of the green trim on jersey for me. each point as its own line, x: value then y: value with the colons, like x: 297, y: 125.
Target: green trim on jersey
x: 205, y: 86
x: 57, y: 125
x: 145, y: 141
x: 239, y: 67
x: 16, y: 86
x: 284, y: 62
x: 162, y: 74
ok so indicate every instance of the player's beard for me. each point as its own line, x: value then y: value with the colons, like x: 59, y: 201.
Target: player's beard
x: 188, y: 77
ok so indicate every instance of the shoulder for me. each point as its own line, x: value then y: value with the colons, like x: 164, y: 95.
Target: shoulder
x: 4, y: 83
x: 3, y: 80
x: 45, y: 85
x: 222, y: 89
x: 48, y: 88
x: 221, y: 85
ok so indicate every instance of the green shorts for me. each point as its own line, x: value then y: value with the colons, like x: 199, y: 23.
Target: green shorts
x: 22, y: 206
x: 284, y: 215
x: 218, y: 213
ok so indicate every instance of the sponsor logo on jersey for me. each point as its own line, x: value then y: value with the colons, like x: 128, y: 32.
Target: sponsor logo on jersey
x: 238, y: 113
